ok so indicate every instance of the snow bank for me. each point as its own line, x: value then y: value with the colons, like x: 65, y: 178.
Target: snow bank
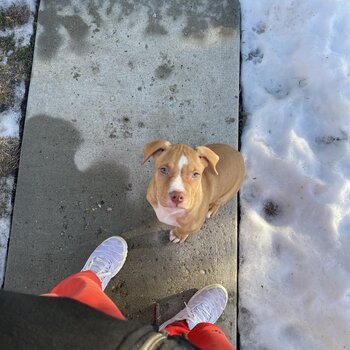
x: 295, y: 229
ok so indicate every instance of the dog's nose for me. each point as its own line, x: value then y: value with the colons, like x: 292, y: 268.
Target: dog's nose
x: 177, y: 197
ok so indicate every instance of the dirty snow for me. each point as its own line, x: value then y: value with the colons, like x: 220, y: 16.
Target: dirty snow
x: 6, y: 185
x: 10, y: 119
x: 29, y: 3
x: 294, y: 280
x: 9, y: 127
x: 24, y: 32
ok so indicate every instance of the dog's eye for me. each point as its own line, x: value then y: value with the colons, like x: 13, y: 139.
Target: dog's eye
x: 164, y: 170
x: 196, y: 174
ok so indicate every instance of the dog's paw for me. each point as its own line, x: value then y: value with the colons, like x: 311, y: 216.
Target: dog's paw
x: 209, y: 214
x: 173, y: 238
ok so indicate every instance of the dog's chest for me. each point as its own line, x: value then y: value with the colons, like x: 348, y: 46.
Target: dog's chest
x: 168, y: 215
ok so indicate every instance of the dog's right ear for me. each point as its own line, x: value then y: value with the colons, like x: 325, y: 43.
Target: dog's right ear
x: 154, y: 148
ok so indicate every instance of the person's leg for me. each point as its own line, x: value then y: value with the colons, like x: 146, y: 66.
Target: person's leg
x: 197, y: 319
x: 204, y: 335
x: 209, y: 336
x: 176, y: 328
x: 87, y: 286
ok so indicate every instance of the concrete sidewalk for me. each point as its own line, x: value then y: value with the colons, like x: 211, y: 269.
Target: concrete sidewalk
x: 109, y: 76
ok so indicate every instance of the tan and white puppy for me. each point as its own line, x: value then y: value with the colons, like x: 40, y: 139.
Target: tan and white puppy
x: 189, y: 185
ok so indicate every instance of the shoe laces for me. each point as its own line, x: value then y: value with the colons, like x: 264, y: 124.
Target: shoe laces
x: 102, y: 266
x: 202, y: 312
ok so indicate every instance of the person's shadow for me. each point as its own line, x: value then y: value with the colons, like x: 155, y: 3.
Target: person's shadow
x: 61, y: 214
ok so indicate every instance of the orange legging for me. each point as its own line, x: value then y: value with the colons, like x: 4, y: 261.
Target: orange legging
x: 85, y: 287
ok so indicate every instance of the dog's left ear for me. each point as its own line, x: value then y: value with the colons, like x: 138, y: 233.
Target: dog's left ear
x: 209, y: 156
x: 154, y: 148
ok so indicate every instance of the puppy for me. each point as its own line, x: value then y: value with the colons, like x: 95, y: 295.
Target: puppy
x: 190, y: 185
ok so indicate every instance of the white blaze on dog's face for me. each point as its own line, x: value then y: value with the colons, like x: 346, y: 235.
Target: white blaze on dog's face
x: 177, y: 184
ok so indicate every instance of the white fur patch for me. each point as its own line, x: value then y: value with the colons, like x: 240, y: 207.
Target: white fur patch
x: 168, y: 215
x: 177, y: 184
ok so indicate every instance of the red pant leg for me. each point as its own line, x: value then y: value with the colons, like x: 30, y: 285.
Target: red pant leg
x: 177, y: 328
x: 206, y: 336
x: 86, y: 287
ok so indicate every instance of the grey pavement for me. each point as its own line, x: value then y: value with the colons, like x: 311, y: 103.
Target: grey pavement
x: 109, y: 76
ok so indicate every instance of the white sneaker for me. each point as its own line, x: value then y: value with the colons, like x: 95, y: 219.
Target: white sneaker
x: 206, y: 305
x: 107, y: 259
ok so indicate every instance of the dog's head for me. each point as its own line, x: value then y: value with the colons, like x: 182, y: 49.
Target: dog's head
x: 179, y: 170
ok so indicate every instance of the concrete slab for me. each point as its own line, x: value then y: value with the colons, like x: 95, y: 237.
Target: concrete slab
x: 109, y: 76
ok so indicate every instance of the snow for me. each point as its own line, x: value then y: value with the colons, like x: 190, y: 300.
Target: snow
x: 29, y: 3
x: 10, y: 119
x: 24, y: 32
x: 294, y: 278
